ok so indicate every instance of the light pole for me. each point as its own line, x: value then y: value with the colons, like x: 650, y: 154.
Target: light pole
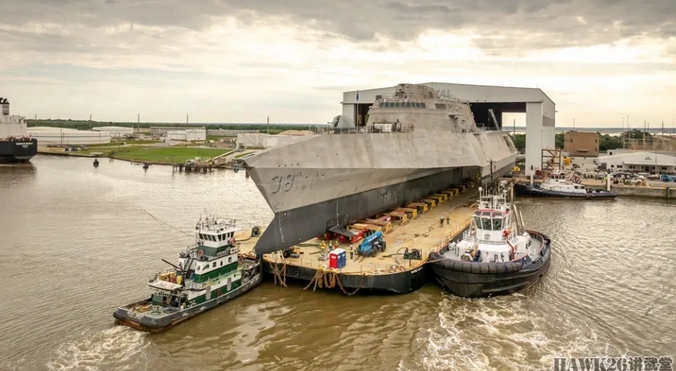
x: 491, y: 163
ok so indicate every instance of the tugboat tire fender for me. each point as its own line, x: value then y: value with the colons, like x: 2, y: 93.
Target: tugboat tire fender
x: 256, y: 231
x: 480, y: 268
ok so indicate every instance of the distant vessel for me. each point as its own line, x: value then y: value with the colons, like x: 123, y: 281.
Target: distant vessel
x: 496, y: 255
x: 15, y: 143
x: 415, y: 143
x: 208, y: 274
x: 553, y: 187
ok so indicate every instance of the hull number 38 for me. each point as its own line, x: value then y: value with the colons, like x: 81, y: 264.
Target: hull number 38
x: 282, y: 183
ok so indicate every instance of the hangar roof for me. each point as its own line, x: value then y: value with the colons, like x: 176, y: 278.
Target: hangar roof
x: 471, y: 93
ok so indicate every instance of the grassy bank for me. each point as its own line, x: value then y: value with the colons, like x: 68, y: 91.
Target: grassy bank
x: 155, y: 155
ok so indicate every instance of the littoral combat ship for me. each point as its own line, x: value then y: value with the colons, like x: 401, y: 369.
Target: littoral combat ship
x: 414, y: 143
x: 15, y: 144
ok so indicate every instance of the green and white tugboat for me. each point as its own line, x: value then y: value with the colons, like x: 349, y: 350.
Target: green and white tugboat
x: 209, y: 273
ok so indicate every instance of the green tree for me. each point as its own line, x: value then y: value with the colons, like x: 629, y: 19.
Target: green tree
x: 558, y: 140
x: 519, y: 141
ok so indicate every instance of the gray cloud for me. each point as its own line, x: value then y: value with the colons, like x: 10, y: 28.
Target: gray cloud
x: 524, y: 24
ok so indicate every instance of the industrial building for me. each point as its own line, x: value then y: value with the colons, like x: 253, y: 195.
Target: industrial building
x: 261, y: 140
x: 115, y: 131
x: 228, y: 133
x: 488, y: 103
x: 61, y: 136
x: 640, y: 162
x: 161, y: 130
x: 188, y: 135
x: 579, y: 143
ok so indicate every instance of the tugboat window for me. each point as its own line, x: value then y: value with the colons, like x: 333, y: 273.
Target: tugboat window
x: 486, y: 224
x: 477, y: 221
x: 497, y: 224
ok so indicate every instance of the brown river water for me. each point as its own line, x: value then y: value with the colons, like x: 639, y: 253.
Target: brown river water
x: 78, y: 241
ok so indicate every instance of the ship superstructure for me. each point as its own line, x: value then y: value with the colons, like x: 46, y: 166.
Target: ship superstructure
x: 414, y: 143
x: 15, y: 143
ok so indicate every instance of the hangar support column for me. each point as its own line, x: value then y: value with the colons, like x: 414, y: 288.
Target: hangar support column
x: 534, y: 137
x: 540, y: 132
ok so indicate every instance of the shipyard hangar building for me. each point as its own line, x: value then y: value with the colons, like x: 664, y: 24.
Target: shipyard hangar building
x: 487, y: 104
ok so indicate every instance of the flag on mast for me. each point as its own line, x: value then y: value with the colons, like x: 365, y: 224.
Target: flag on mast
x: 357, y: 95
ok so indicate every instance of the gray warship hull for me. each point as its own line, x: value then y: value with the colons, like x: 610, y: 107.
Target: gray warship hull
x: 343, y: 178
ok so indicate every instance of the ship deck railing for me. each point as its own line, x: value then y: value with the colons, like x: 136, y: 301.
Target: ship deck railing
x: 439, y: 96
x: 395, y: 128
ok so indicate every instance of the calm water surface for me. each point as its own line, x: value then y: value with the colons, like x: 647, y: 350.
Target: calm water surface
x: 78, y: 241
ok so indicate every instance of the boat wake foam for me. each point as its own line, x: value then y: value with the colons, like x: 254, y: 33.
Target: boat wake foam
x: 117, y: 347
x: 501, y: 333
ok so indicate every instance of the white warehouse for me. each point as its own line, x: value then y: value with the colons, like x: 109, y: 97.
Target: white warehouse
x: 115, y: 131
x: 261, y: 140
x: 188, y: 135
x: 640, y: 162
x: 539, y: 108
x: 62, y: 136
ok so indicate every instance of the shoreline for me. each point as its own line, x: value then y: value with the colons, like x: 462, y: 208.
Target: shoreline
x: 94, y: 156
x: 176, y: 156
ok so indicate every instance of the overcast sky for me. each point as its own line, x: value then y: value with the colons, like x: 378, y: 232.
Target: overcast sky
x: 240, y: 61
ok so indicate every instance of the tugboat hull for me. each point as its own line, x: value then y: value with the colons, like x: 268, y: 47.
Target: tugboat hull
x: 476, y: 280
x: 151, y: 324
x: 528, y: 190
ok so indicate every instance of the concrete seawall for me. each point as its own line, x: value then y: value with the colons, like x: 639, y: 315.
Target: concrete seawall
x: 668, y: 193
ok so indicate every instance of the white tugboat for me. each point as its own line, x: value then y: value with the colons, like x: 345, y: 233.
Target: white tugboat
x: 496, y: 255
x: 209, y: 273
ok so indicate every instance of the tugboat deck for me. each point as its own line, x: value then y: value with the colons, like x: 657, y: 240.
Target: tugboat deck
x: 424, y: 232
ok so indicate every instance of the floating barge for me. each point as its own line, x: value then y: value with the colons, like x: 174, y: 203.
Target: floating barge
x: 382, y: 254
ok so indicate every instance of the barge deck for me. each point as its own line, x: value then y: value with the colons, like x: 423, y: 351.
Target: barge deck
x: 388, y: 271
